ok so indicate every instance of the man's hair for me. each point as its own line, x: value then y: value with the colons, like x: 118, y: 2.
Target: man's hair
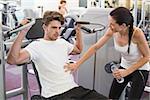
x: 52, y: 15
x: 62, y: 1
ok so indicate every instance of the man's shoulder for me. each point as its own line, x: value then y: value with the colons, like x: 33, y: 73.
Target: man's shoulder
x: 35, y: 42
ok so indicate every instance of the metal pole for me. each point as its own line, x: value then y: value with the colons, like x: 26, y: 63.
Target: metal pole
x: 94, y: 74
x: 135, y: 12
x: 25, y: 82
x: 14, y: 92
x: 2, y: 64
x: 142, y: 14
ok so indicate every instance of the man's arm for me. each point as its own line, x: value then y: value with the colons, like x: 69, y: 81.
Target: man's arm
x: 79, y: 44
x: 16, y: 55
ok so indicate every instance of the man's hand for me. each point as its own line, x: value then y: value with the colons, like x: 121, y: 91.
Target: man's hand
x: 24, y: 22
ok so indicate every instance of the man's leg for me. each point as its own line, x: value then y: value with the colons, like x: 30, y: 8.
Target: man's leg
x: 93, y: 95
x: 79, y: 93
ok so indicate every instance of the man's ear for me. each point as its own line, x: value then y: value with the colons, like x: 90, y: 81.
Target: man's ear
x: 44, y: 26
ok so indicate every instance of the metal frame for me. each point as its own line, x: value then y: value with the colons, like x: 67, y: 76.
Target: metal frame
x: 144, y: 2
x: 2, y: 64
x: 24, y: 87
x: 135, y: 12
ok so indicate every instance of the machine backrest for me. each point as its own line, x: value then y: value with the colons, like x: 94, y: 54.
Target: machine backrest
x: 36, y: 31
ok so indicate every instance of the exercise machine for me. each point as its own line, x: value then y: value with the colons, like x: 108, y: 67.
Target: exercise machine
x: 22, y: 90
x: 8, y: 13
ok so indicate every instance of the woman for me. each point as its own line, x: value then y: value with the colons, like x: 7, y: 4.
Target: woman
x: 131, y: 43
x: 62, y: 7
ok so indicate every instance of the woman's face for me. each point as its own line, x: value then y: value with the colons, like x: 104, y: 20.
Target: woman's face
x: 115, y: 27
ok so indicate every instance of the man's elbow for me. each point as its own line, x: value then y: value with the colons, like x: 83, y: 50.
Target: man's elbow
x: 12, y: 61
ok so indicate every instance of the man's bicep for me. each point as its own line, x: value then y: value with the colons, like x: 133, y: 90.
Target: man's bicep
x: 24, y: 56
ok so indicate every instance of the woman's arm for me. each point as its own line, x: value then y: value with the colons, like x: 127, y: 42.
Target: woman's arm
x: 144, y: 49
x: 138, y: 38
x: 90, y: 51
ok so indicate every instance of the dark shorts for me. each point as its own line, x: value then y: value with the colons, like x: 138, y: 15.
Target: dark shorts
x: 77, y: 93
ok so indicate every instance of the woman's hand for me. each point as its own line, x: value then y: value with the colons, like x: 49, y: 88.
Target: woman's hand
x: 119, y: 73
x: 72, y: 67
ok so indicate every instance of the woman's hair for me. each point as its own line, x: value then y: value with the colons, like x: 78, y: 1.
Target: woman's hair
x: 52, y: 15
x: 62, y: 1
x: 123, y: 15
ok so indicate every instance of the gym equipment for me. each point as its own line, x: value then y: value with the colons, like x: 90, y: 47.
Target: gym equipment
x: 9, y: 8
x: 112, y: 66
x: 91, y: 74
x: 36, y: 29
x: 68, y: 32
x: 89, y: 31
x: 6, y: 32
x: 18, y: 28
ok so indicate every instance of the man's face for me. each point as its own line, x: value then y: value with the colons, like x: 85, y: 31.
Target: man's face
x: 52, y: 30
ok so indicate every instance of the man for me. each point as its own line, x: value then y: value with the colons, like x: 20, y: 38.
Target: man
x: 49, y: 55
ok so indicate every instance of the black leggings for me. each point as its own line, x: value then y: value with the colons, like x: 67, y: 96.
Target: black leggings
x: 138, y: 80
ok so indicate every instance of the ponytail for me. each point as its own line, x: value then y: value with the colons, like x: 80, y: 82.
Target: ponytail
x: 130, y: 37
x: 130, y: 32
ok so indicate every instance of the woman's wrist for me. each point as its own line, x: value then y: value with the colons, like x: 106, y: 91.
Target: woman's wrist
x: 78, y: 64
x: 128, y: 71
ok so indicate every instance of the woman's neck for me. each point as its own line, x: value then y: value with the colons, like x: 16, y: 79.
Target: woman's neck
x: 124, y: 33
